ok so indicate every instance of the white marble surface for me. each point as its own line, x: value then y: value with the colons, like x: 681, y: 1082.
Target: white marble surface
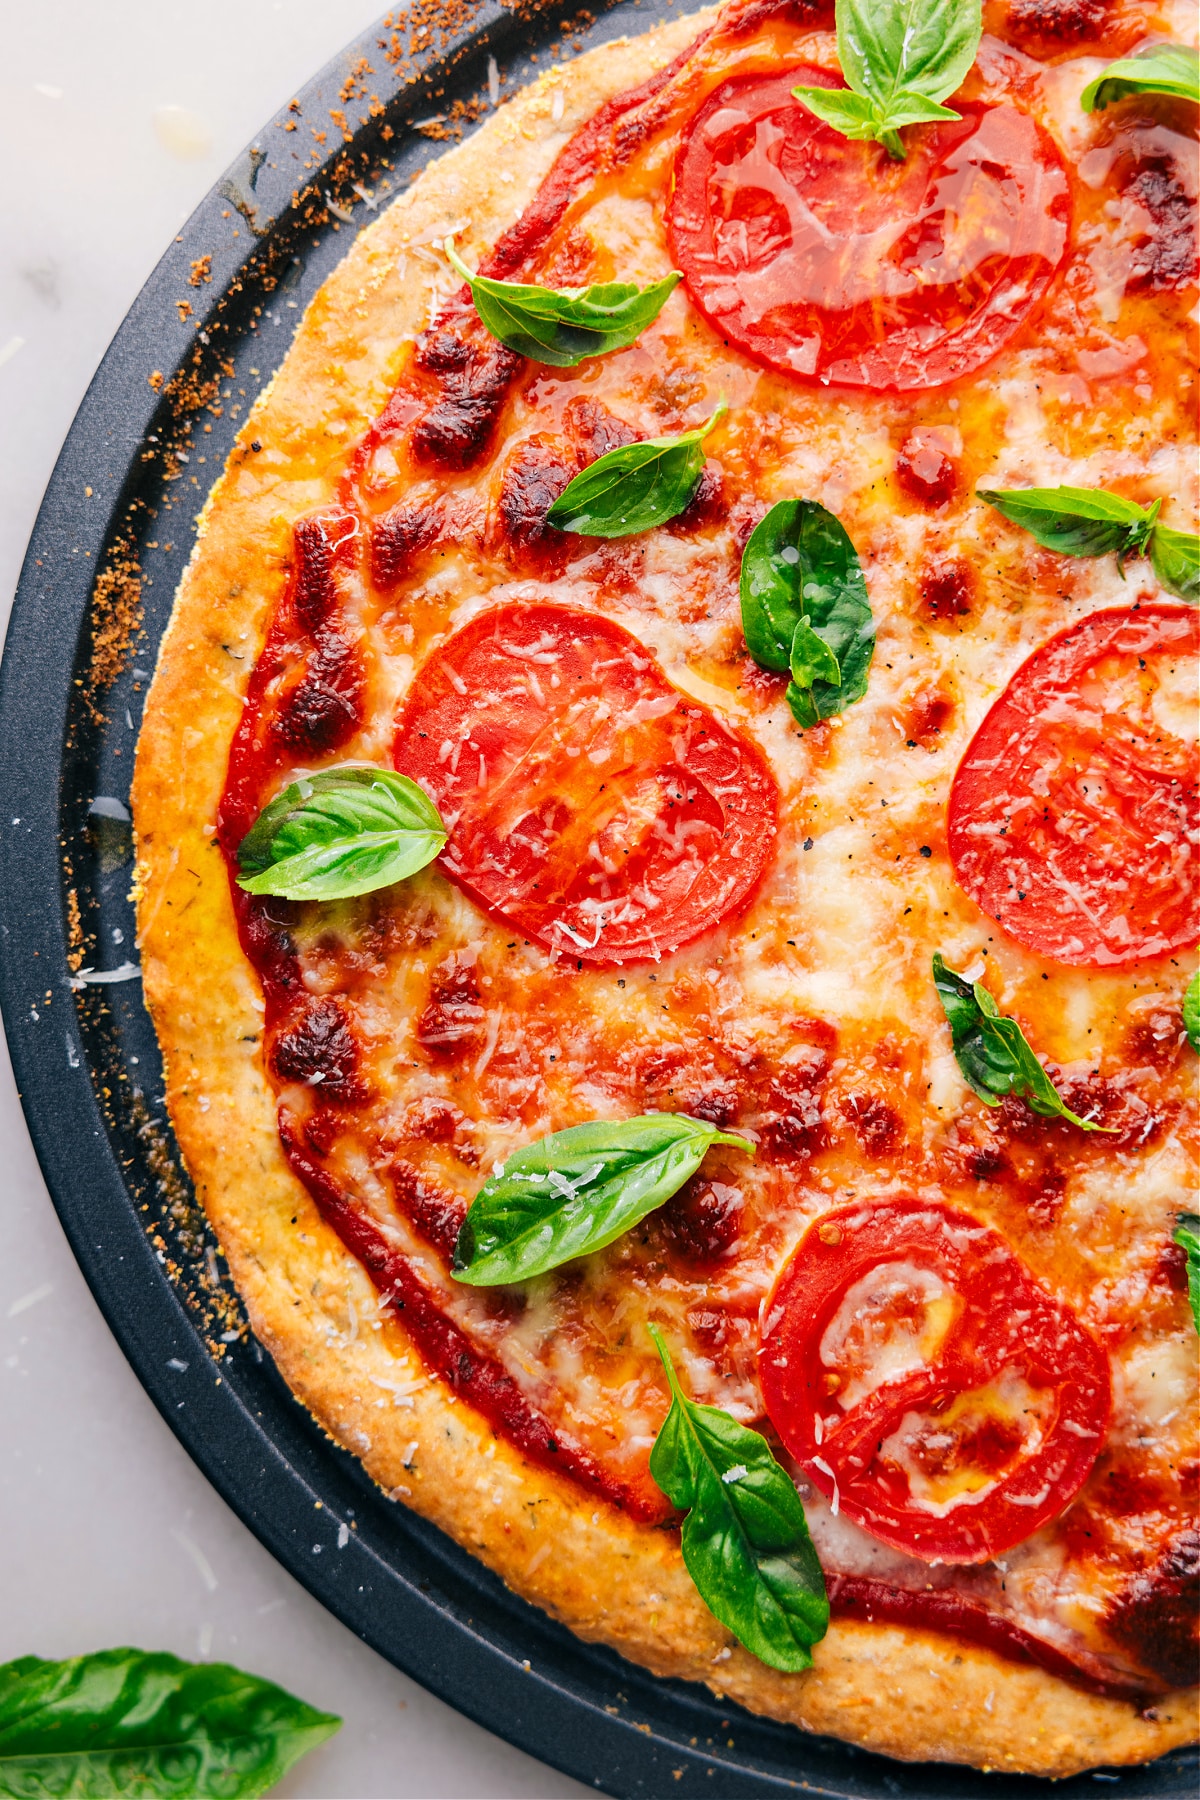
x: 108, y: 1533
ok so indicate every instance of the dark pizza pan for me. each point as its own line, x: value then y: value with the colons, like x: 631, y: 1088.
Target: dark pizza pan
x: 212, y: 322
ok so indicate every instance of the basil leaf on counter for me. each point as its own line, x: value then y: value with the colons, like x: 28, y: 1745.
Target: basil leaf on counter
x: 563, y: 327
x: 900, y: 59
x: 745, y: 1539
x: 803, y: 593
x: 1091, y: 522
x: 1191, y: 1011
x: 1163, y: 69
x: 1175, y: 559
x: 993, y: 1053
x: 635, y: 487
x: 341, y: 832
x: 141, y: 1722
x: 1187, y: 1236
x: 576, y: 1191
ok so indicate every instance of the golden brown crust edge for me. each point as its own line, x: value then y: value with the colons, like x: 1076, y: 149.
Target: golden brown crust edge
x: 906, y: 1693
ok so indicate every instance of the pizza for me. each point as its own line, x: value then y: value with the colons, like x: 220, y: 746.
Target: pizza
x: 667, y: 864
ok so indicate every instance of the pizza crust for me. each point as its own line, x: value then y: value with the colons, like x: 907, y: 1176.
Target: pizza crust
x: 907, y: 1693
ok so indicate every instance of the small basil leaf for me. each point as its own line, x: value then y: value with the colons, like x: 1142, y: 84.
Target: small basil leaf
x: 1163, y: 69
x: 799, y: 564
x: 1187, y: 1236
x: 1175, y: 559
x: 852, y: 114
x: 1191, y: 1011
x: 563, y: 327
x: 126, y: 1722
x: 634, y: 488
x: 341, y: 832
x: 993, y: 1053
x: 1077, y: 521
x: 576, y: 1191
x: 910, y: 108
x: 812, y: 660
x: 745, y: 1540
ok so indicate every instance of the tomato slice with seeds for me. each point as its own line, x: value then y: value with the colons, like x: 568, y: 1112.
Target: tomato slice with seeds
x: 830, y: 259
x: 932, y: 1389
x: 591, y: 805
x: 1073, y: 816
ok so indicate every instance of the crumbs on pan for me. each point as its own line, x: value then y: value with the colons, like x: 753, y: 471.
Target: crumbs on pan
x: 198, y: 1278
x: 116, y: 615
x: 76, y: 943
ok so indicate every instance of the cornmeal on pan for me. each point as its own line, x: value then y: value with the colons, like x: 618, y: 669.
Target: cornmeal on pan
x: 671, y: 939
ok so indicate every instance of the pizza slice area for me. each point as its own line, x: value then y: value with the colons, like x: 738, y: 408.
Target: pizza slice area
x: 660, y: 894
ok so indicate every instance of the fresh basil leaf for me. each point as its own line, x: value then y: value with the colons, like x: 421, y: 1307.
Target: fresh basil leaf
x: 634, y: 488
x: 563, y: 327
x: 800, y: 566
x: 854, y: 115
x: 1187, y: 1236
x: 1191, y: 1011
x: 1163, y: 69
x: 576, y: 1191
x: 1077, y: 521
x: 993, y: 1053
x: 136, y: 1722
x: 338, y: 833
x: 745, y: 1540
x: 1175, y: 559
x: 899, y: 58
x: 812, y: 659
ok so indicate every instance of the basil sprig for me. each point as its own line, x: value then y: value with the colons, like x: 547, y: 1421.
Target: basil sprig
x: 141, y: 1722
x: 635, y: 487
x: 900, y: 59
x: 805, y: 608
x: 338, y: 833
x: 993, y: 1052
x: 576, y: 1191
x: 745, y: 1539
x: 1187, y: 1236
x: 1092, y: 522
x: 1191, y: 1011
x: 564, y: 326
x: 1162, y: 69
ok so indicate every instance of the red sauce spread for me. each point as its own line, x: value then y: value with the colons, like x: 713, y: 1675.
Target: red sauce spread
x: 772, y: 909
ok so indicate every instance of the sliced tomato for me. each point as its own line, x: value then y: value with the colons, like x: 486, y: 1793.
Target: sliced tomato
x: 591, y: 805
x: 831, y: 259
x: 1073, y: 816
x: 930, y: 1387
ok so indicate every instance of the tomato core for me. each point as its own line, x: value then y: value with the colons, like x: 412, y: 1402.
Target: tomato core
x: 591, y: 805
x: 933, y: 1391
x: 1073, y: 815
x: 830, y: 259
